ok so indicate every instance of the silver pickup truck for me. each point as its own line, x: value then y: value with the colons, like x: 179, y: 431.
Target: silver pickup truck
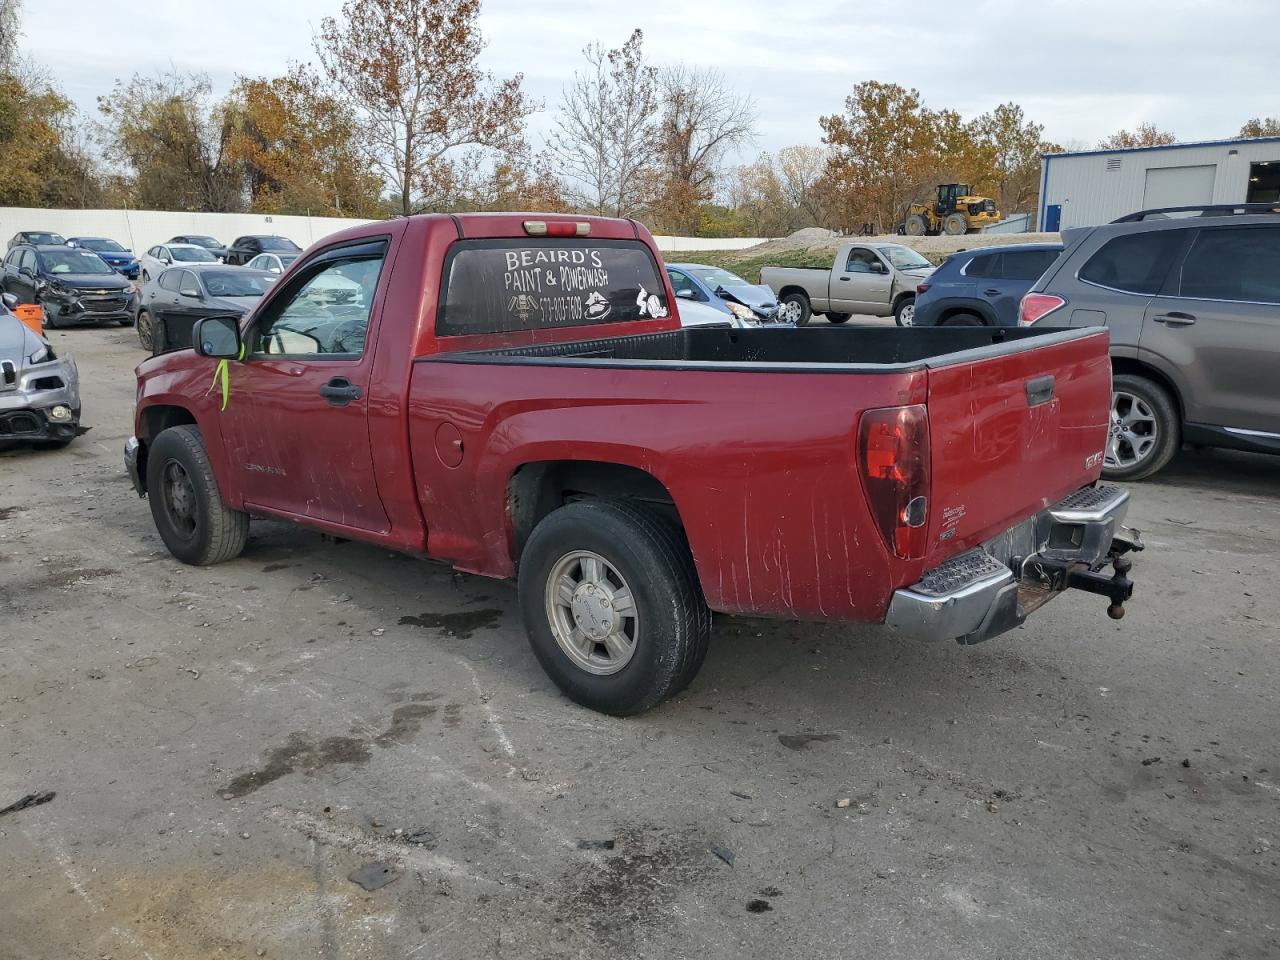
x: 879, y: 279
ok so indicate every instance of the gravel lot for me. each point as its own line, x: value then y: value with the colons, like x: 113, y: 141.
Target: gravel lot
x: 228, y: 745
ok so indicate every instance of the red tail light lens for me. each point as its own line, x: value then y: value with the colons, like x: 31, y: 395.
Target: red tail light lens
x: 921, y: 287
x: 893, y: 453
x: 1037, y: 306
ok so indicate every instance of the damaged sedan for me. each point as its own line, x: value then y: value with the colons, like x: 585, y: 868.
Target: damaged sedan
x: 39, y: 390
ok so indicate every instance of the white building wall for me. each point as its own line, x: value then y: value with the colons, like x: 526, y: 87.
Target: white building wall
x: 141, y: 229
x: 1091, y: 190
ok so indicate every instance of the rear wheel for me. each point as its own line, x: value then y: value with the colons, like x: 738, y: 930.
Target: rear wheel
x: 1145, y: 431
x: 194, y: 523
x: 612, y: 605
x: 794, y: 308
x: 955, y: 225
x: 963, y: 320
x: 838, y: 317
x: 146, y: 331
x: 904, y: 314
x: 51, y: 319
x: 916, y: 226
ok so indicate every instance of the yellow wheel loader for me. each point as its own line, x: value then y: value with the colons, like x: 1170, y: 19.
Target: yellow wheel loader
x: 956, y: 211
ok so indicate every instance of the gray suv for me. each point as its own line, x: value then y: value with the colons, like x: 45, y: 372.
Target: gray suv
x: 1192, y: 299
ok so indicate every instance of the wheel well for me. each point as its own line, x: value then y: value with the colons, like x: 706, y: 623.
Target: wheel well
x: 536, y: 489
x: 953, y: 311
x: 1137, y: 368
x: 787, y: 291
x: 157, y: 419
x: 905, y: 295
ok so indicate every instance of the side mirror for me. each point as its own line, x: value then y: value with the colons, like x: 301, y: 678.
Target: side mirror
x: 879, y: 267
x: 684, y: 293
x: 192, y: 292
x: 167, y: 261
x: 10, y: 300
x: 217, y: 337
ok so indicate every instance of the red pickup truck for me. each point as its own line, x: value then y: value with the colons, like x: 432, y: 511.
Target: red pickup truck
x: 515, y: 396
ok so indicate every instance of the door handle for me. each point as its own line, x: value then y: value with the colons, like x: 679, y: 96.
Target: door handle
x: 1174, y: 319
x: 340, y: 391
x: 844, y: 278
x: 1039, y: 390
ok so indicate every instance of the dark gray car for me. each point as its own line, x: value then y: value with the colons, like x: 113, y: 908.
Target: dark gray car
x: 1192, y: 299
x: 183, y: 294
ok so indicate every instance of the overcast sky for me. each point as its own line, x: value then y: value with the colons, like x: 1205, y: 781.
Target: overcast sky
x: 1083, y: 68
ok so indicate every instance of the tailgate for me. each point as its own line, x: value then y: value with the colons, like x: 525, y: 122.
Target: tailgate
x: 1015, y: 427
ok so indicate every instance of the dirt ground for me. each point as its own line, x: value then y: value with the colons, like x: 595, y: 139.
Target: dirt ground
x: 228, y: 745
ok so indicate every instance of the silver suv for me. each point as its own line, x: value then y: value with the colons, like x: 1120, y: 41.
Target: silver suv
x: 1192, y: 299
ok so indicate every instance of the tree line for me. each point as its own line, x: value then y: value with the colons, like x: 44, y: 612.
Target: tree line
x: 395, y: 116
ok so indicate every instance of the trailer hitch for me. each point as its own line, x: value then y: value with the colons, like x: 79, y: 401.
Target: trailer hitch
x: 1117, y: 587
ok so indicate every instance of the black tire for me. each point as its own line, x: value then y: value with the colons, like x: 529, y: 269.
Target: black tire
x: 904, y: 312
x: 955, y: 225
x: 206, y: 531
x: 146, y: 331
x: 652, y: 557
x: 801, y: 301
x: 838, y: 317
x: 963, y: 320
x: 916, y: 226
x: 146, y: 277
x: 50, y: 318
x: 1168, y: 427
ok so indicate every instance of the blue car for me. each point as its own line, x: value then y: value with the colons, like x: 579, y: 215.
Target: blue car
x: 723, y: 291
x: 118, y: 258
x: 982, y: 287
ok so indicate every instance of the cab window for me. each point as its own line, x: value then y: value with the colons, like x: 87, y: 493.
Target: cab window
x: 325, y: 313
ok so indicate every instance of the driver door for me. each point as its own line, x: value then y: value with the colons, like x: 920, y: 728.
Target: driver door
x: 299, y: 401
x: 859, y: 288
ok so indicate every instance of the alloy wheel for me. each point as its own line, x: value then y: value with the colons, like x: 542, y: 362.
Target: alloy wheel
x: 1134, y: 431
x: 592, y: 613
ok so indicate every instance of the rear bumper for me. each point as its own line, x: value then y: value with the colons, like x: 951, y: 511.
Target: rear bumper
x: 993, y: 588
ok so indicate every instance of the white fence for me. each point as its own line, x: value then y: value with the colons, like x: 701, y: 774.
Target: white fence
x: 140, y: 229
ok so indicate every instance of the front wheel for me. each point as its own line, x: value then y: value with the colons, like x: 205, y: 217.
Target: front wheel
x: 904, y: 314
x: 794, y: 308
x: 838, y: 317
x: 612, y: 605
x: 194, y: 523
x: 1145, y: 430
x: 955, y: 225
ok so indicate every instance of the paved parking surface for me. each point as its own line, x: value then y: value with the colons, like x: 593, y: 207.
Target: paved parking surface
x: 229, y: 744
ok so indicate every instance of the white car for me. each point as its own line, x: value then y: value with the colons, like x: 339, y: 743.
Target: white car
x: 163, y: 255
x: 273, y: 262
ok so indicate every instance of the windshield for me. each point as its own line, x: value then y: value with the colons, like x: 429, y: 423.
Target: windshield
x: 715, y: 277
x: 73, y: 261
x: 102, y: 246
x: 279, y: 243
x: 904, y: 258
x: 49, y: 238
x: 235, y: 283
x: 192, y: 255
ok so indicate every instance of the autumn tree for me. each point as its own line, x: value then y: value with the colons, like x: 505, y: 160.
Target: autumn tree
x: 701, y: 120
x: 1015, y: 145
x: 46, y: 161
x: 172, y: 137
x: 298, y: 148
x: 1257, y: 127
x: 408, y: 68
x: 1145, y: 135
x: 883, y: 152
x: 602, y: 145
x: 776, y: 195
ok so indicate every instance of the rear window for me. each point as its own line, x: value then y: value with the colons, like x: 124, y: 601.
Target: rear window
x: 1135, y: 262
x: 986, y: 265
x: 1237, y: 263
x: 501, y: 286
x: 1027, y: 264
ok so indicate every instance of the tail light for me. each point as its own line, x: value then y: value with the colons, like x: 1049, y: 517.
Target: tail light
x: 1037, y: 306
x: 921, y: 287
x: 893, y: 453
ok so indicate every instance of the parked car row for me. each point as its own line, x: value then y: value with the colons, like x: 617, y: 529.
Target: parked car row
x: 121, y: 259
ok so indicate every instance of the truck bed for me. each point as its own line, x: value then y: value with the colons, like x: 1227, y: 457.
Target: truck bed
x: 817, y: 350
